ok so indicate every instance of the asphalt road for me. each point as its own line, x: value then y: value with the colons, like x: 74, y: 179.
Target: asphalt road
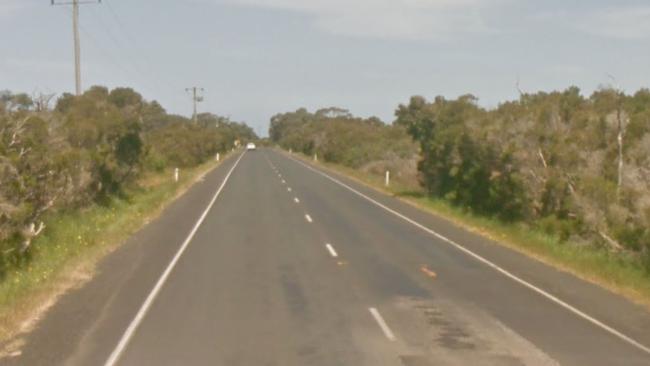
x: 290, y: 266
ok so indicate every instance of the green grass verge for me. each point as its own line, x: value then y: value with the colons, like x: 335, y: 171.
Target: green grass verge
x: 620, y: 273
x: 73, y: 242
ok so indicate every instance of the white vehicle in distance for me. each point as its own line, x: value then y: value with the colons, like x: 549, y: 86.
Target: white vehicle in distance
x: 250, y: 146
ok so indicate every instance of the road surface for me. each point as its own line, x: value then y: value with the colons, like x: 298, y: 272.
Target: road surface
x: 269, y: 261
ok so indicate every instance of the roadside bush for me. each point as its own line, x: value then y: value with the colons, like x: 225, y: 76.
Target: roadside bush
x: 562, y: 229
x: 551, y: 159
x: 86, y: 150
x: 338, y: 137
x: 645, y: 261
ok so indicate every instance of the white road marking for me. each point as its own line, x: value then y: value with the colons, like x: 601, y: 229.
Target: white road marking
x: 330, y: 248
x: 296, y: 200
x: 133, y: 326
x: 308, y: 218
x: 489, y: 263
x: 288, y: 189
x: 284, y: 181
x: 382, y: 324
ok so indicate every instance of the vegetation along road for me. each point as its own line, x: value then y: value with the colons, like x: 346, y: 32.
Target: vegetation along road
x: 270, y: 260
x: 405, y: 183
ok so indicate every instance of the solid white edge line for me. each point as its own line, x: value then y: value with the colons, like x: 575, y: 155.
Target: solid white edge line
x: 487, y: 262
x: 308, y: 218
x: 128, y: 334
x: 382, y: 324
x: 330, y: 248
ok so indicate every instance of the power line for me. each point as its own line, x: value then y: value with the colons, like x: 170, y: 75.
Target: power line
x: 130, y: 70
x: 126, y: 55
x: 134, y: 68
x: 124, y: 29
x: 136, y: 62
x: 75, y: 32
x: 107, y: 55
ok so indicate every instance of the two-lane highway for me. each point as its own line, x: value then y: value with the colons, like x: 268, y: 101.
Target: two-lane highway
x: 254, y: 288
x: 274, y: 262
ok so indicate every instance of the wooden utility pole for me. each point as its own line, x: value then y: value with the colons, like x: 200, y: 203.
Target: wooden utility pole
x: 195, y: 99
x: 75, y: 33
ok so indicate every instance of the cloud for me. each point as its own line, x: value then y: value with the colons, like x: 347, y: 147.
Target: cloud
x: 622, y: 23
x: 390, y: 19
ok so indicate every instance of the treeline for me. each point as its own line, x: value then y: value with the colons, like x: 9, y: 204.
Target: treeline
x: 86, y: 150
x: 334, y: 135
x: 576, y: 167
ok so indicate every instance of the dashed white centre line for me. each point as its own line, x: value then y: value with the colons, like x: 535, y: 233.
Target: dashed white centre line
x: 288, y: 189
x: 284, y: 181
x: 296, y: 200
x: 308, y: 218
x: 330, y: 248
x: 489, y: 263
x: 382, y: 324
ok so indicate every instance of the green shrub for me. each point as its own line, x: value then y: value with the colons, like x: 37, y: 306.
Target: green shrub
x: 89, y: 149
x: 632, y: 237
x: 338, y: 137
x: 560, y: 228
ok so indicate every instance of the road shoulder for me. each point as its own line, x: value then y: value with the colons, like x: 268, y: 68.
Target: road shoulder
x: 97, y: 308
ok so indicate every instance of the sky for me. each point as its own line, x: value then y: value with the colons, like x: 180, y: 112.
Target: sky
x: 257, y: 58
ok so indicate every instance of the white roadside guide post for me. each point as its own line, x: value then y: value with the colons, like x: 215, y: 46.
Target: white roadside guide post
x: 290, y: 151
x: 387, y: 178
x: 315, y: 157
x: 218, y: 157
x: 175, y: 174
